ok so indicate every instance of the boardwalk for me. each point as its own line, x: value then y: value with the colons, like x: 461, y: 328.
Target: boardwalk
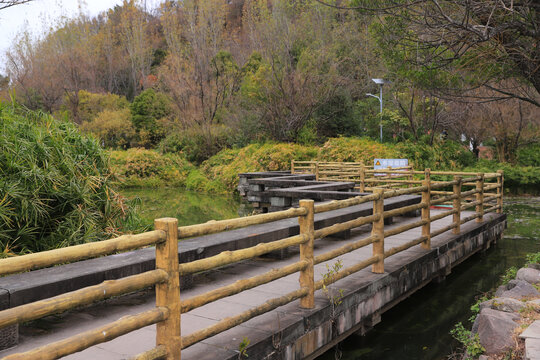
x: 268, y: 331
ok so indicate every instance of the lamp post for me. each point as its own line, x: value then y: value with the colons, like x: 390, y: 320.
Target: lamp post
x: 379, y: 82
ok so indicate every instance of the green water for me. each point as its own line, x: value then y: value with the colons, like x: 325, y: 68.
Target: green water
x: 418, y: 328
x: 188, y: 207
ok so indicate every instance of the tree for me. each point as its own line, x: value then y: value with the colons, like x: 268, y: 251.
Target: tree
x: 489, y: 43
x: 149, y: 111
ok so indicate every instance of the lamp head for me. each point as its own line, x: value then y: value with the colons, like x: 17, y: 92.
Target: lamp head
x: 381, y: 81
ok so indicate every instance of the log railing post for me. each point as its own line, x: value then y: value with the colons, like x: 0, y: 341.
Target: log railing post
x: 317, y: 171
x: 480, y: 198
x: 168, y: 293
x: 292, y: 167
x: 426, y: 201
x: 306, y: 253
x: 457, y: 206
x: 362, y: 178
x: 500, y: 183
x: 378, y: 231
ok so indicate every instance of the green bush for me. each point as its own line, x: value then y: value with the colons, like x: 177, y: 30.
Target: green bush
x: 112, y: 127
x: 442, y: 155
x: 197, y: 144
x: 520, y: 179
x: 149, y: 112
x: 227, y: 164
x: 55, y: 185
x: 147, y: 168
x: 529, y: 155
x: 355, y: 150
x: 91, y: 104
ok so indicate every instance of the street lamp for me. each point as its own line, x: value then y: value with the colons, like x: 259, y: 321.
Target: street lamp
x: 379, y: 82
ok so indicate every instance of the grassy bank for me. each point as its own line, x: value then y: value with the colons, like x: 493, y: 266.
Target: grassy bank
x: 219, y: 174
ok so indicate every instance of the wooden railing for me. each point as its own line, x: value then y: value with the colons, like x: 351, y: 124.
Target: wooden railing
x: 362, y: 174
x: 487, y: 197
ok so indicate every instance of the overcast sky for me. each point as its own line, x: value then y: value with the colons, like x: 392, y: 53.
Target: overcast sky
x: 39, y: 14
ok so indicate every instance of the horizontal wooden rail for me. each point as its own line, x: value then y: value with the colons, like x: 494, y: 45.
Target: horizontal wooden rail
x: 403, y: 210
x: 335, y: 205
x: 230, y: 322
x: 346, y: 272
x: 336, y: 228
x: 229, y: 257
x: 80, y: 297
x: 403, y: 247
x: 212, y: 226
x: 442, y: 215
x: 344, y: 250
x: 403, y: 228
x: 93, y: 337
x: 241, y: 285
x: 159, y: 352
x: 79, y: 252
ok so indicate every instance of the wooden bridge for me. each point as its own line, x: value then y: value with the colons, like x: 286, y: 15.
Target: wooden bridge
x: 290, y: 308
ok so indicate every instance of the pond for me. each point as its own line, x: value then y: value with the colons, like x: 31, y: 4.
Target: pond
x: 189, y: 207
x: 417, y: 328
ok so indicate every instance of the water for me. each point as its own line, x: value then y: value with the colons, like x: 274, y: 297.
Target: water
x: 188, y: 207
x: 418, y: 328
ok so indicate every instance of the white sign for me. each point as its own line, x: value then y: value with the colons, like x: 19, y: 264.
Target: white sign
x: 386, y: 163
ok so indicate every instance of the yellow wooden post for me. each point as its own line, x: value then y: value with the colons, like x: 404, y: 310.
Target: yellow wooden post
x: 168, y: 293
x: 500, y: 183
x: 457, y: 206
x: 480, y: 198
x: 306, y: 253
x: 426, y: 200
x: 292, y: 167
x: 362, y: 178
x: 317, y: 171
x: 378, y: 231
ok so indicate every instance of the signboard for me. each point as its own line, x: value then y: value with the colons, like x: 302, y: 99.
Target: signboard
x: 386, y: 163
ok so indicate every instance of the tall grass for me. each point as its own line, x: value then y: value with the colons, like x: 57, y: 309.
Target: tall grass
x: 54, y: 185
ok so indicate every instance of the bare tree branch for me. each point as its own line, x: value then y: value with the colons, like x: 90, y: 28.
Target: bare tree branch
x: 4, y: 4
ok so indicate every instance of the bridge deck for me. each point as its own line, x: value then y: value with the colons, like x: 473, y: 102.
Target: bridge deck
x: 267, y: 333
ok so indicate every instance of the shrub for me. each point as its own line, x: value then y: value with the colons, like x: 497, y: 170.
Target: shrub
x: 91, y: 104
x: 197, y: 144
x: 355, y: 150
x: 55, y: 185
x: 228, y: 163
x: 141, y: 168
x: 529, y: 155
x: 442, y: 155
x: 112, y: 127
x: 149, y: 111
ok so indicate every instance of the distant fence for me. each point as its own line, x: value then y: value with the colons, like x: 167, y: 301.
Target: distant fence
x: 362, y: 174
x: 486, y: 190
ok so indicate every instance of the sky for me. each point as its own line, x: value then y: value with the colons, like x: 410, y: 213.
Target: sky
x: 38, y: 15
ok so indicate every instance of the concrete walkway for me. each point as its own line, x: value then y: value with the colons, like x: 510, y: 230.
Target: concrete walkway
x: 272, y: 329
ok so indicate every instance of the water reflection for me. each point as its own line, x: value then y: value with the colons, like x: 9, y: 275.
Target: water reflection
x: 188, y: 207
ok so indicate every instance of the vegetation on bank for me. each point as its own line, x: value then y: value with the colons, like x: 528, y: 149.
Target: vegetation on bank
x: 219, y: 174
x: 55, y: 185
